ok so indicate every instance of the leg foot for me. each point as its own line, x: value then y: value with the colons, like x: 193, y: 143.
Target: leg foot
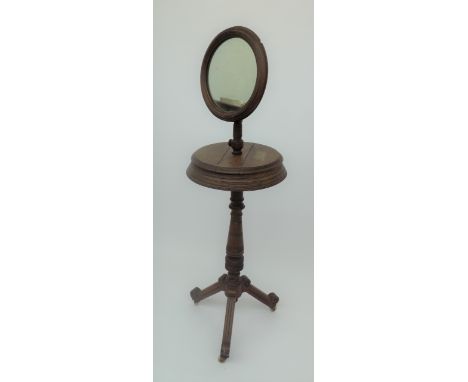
x: 269, y: 300
x: 273, y: 300
x: 228, y: 320
x: 197, y: 294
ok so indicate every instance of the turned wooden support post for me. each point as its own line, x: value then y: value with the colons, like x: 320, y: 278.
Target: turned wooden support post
x: 232, y: 283
x: 237, y: 143
x: 234, y: 260
x: 234, y: 264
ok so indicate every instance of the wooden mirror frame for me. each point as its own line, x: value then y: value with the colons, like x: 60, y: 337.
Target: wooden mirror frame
x: 262, y: 73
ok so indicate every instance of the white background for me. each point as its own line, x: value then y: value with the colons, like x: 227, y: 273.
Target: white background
x: 76, y: 191
x: 191, y: 223
x: 390, y: 197
x: 391, y: 206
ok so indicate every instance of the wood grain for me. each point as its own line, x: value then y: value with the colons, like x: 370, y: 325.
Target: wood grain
x: 257, y: 167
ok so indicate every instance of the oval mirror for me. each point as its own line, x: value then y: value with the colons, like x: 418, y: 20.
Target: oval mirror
x: 234, y: 74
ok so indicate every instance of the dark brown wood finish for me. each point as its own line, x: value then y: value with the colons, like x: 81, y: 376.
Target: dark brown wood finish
x: 257, y: 167
x: 262, y: 74
x: 232, y: 283
x: 236, y: 143
x: 235, y: 166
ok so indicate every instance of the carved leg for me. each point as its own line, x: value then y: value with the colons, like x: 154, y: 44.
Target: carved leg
x: 197, y: 294
x: 228, y: 320
x: 270, y: 299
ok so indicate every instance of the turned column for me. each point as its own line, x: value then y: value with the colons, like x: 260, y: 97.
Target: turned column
x: 234, y: 260
x: 234, y: 264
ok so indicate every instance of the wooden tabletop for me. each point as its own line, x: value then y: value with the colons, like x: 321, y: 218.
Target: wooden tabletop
x: 215, y: 166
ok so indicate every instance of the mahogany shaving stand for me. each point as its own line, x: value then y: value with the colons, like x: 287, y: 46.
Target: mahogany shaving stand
x: 254, y: 168
x: 232, y: 89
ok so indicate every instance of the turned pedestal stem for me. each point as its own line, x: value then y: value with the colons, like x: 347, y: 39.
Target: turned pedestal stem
x: 232, y: 283
x: 234, y: 262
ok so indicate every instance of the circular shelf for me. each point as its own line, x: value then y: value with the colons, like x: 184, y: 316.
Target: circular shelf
x: 215, y: 166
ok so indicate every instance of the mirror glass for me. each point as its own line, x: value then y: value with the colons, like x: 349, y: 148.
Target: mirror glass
x: 232, y: 74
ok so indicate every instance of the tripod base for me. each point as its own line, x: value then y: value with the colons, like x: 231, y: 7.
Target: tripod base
x: 233, y: 286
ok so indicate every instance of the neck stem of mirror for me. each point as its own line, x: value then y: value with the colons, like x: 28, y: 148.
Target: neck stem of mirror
x: 237, y: 143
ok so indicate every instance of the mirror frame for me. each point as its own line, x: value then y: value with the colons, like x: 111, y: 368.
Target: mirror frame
x: 262, y: 73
